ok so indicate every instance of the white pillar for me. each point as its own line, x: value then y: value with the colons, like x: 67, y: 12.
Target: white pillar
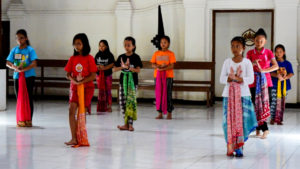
x: 3, y: 90
x: 285, y: 30
x: 194, y: 48
x: 195, y: 30
x: 123, y: 23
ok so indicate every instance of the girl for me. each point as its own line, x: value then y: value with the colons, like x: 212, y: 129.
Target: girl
x: 239, y: 118
x: 22, y: 59
x: 81, y: 71
x: 261, y: 59
x: 105, y: 62
x: 163, y: 62
x: 281, y: 84
x: 130, y: 64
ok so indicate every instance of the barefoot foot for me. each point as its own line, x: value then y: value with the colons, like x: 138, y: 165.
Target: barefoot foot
x: 169, y: 116
x: 124, y: 127
x: 130, y: 128
x: 160, y: 116
x: 264, y: 136
x: 71, y: 142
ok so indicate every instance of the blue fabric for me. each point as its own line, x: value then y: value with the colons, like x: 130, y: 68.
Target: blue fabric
x: 288, y: 66
x: 26, y: 55
x: 249, y: 117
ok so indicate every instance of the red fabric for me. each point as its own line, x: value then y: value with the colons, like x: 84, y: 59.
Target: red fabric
x: 235, y: 132
x: 102, y: 102
x: 23, y: 105
x: 88, y: 96
x: 81, y: 64
x: 265, y: 57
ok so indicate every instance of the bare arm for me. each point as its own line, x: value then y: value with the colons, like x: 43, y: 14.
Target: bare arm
x: 272, y: 68
x: 11, y: 66
x: 136, y: 70
x: 32, y: 65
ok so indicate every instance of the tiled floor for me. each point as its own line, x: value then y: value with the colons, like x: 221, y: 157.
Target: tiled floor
x: 193, y: 140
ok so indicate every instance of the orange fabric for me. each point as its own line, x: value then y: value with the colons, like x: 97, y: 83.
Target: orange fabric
x: 82, y: 137
x: 164, y: 57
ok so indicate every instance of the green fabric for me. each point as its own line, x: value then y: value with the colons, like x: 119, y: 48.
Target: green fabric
x: 130, y: 95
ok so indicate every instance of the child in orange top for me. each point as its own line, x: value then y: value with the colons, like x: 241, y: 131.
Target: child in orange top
x: 163, y: 62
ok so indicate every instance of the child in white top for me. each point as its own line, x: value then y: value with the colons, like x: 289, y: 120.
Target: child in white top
x: 239, y: 118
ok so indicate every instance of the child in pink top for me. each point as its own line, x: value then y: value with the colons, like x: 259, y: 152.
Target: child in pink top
x: 261, y: 59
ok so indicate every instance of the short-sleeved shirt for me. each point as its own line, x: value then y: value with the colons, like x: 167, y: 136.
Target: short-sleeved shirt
x: 81, y: 64
x: 105, y: 58
x: 265, y: 56
x: 26, y: 55
x: 164, y: 57
x: 134, y: 62
x: 289, y: 69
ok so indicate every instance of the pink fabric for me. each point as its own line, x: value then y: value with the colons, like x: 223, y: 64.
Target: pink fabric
x: 161, y: 91
x: 23, y: 106
x: 235, y: 132
x: 265, y: 57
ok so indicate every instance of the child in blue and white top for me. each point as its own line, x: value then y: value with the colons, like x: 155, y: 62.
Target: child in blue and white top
x: 22, y: 58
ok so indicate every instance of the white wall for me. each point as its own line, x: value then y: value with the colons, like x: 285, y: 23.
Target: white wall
x: 52, y: 24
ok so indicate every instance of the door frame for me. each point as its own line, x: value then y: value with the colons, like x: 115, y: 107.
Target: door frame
x: 214, y: 13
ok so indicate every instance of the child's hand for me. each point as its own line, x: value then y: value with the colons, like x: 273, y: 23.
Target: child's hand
x: 280, y: 78
x: 239, y: 71
x: 163, y: 65
x: 124, y: 66
x: 132, y: 69
x: 231, y: 74
x: 101, y: 67
x: 79, y: 77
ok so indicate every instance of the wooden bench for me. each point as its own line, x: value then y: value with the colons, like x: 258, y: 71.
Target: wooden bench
x: 207, y: 86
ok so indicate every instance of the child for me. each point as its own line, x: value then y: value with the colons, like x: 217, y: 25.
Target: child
x: 281, y: 84
x: 81, y: 71
x: 163, y: 62
x: 22, y: 59
x: 239, y: 118
x: 130, y: 65
x: 261, y: 59
x: 105, y: 62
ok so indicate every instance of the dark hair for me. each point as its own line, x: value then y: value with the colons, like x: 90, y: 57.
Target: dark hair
x: 281, y: 47
x: 166, y: 38
x: 85, y: 42
x: 106, y: 44
x: 259, y: 32
x: 24, y: 33
x: 240, y: 40
x: 129, y: 38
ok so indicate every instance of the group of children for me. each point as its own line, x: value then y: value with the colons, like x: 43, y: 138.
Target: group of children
x: 82, y: 69
x: 255, y: 89
x: 255, y: 86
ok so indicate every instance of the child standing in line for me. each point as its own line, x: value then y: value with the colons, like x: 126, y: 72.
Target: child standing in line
x: 22, y: 59
x: 281, y: 84
x: 130, y: 64
x: 239, y: 118
x: 163, y: 62
x: 105, y: 61
x: 81, y: 71
x: 261, y: 59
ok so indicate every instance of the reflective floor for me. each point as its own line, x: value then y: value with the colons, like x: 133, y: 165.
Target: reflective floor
x: 193, y: 140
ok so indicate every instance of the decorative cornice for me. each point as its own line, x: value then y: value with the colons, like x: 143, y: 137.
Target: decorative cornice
x: 194, y: 3
x: 15, y: 10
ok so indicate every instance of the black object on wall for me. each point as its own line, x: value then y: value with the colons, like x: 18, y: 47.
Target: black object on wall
x: 161, y: 31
